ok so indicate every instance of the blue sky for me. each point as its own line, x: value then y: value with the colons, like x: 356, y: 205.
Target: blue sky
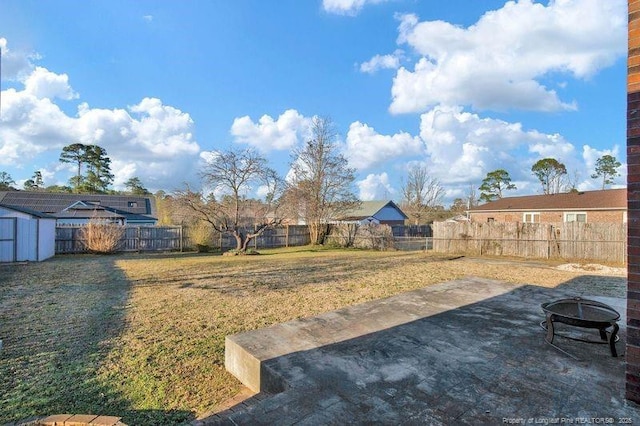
x: 461, y: 87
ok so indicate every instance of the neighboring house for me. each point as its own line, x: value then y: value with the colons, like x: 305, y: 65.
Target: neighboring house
x: 605, y: 206
x: 378, y: 212
x: 460, y: 218
x: 26, y: 235
x: 78, y: 209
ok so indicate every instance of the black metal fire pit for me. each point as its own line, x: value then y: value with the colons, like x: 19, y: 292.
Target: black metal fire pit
x: 583, y: 313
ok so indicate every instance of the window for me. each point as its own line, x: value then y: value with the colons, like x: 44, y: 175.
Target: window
x: 490, y: 219
x: 575, y: 217
x: 531, y: 217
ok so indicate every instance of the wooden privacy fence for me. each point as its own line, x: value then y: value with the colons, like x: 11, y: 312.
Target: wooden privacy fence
x: 135, y: 238
x: 606, y: 242
x: 167, y: 238
x: 282, y: 236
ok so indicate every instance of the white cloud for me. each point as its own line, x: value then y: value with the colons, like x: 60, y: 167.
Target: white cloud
x: 366, y: 148
x: 15, y: 64
x: 552, y: 146
x: 43, y: 83
x: 269, y: 134
x: 152, y: 140
x: 463, y: 147
x: 379, y: 62
x: 148, y: 18
x: 375, y: 187
x: 499, y: 62
x: 347, y: 7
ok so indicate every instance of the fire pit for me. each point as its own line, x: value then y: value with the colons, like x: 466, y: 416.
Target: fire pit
x: 583, y: 313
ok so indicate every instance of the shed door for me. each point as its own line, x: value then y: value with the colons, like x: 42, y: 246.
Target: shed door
x: 8, y: 226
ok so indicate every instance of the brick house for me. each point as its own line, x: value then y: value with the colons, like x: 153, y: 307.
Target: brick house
x: 604, y: 206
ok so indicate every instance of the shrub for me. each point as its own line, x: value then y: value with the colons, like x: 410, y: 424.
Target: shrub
x: 102, y: 237
x: 200, y: 234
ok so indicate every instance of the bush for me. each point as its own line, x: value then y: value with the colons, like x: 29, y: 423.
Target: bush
x: 369, y: 236
x: 200, y: 234
x: 102, y: 237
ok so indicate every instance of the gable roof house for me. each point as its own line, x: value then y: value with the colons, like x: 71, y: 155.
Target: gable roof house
x: 377, y: 212
x: 79, y: 209
x: 604, y: 206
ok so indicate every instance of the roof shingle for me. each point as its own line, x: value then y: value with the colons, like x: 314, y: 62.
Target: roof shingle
x: 608, y: 199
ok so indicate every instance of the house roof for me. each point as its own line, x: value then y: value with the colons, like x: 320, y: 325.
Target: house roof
x: 90, y: 212
x: 369, y: 209
x: 132, y: 206
x: 33, y: 213
x: 608, y: 199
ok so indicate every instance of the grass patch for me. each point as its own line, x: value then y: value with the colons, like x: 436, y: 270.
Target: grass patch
x: 142, y: 336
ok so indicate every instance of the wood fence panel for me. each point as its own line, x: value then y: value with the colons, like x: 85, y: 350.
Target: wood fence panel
x: 580, y: 241
x: 135, y: 238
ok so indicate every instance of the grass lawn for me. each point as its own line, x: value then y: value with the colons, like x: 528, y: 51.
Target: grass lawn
x: 142, y: 336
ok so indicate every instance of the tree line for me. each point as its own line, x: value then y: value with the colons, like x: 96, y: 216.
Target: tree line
x: 552, y: 175
x: 318, y: 188
x: 92, y: 174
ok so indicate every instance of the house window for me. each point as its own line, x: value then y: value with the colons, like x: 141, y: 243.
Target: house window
x: 490, y: 219
x: 132, y: 204
x: 531, y: 217
x: 575, y: 217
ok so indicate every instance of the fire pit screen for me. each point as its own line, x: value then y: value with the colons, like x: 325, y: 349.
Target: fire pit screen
x: 582, y: 313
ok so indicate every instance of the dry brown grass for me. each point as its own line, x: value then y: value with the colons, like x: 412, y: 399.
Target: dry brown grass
x: 167, y: 353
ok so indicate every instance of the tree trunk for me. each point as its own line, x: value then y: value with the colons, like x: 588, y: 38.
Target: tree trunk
x: 240, y: 243
x: 245, y: 245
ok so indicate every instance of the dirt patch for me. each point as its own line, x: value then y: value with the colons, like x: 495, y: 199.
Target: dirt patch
x: 593, y: 268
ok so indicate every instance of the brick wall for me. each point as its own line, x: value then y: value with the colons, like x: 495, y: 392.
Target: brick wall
x: 550, y: 217
x: 633, y: 196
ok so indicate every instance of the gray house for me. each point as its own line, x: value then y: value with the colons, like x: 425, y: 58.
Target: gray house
x: 79, y: 209
x: 376, y: 212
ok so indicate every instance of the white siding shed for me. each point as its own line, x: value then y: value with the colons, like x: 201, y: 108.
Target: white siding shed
x: 26, y: 235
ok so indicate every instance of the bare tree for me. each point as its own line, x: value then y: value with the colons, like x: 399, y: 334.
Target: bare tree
x: 320, y: 182
x: 472, y: 197
x: 229, y: 176
x: 422, y: 194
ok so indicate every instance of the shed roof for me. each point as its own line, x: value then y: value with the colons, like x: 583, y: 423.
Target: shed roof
x: 608, y: 199
x: 24, y: 210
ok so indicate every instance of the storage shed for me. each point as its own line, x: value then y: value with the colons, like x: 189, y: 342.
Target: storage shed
x: 26, y: 235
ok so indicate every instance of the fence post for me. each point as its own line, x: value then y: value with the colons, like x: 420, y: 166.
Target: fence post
x: 286, y: 236
x: 181, y: 236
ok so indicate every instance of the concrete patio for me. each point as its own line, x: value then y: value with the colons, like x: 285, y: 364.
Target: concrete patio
x: 469, y: 351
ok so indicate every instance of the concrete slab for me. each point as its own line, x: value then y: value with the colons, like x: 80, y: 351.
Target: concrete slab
x: 246, y: 353
x: 469, y: 351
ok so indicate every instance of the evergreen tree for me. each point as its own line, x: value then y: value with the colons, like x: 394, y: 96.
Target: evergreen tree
x: 550, y: 172
x: 35, y: 183
x: 493, y: 185
x: 134, y: 186
x: 6, y: 182
x: 607, y: 169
